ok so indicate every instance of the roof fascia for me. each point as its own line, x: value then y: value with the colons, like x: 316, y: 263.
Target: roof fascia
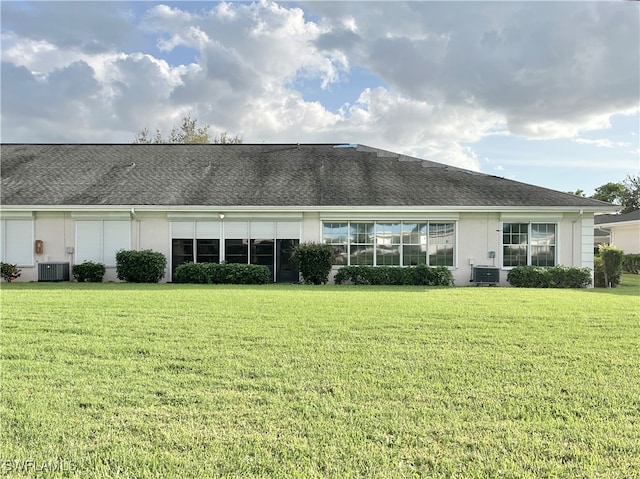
x: 364, y: 209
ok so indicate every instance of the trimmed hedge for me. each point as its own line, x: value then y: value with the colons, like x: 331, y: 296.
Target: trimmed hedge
x: 555, y: 277
x: 314, y: 261
x: 140, y: 266
x: 631, y: 263
x: 88, y: 271
x: 222, y: 273
x: 421, y: 275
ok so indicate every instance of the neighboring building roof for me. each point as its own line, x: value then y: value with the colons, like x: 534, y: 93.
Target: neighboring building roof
x: 609, y: 219
x: 254, y: 175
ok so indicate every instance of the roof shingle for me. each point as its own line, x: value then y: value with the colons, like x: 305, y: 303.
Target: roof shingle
x: 252, y: 175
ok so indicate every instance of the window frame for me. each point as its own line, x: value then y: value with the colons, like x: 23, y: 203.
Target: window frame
x: 419, y: 239
x: 27, y: 245
x: 529, y: 245
x: 104, y: 256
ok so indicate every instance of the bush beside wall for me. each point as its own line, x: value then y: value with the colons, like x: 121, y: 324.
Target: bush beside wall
x: 555, y: 277
x: 314, y: 261
x: 393, y: 275
x: 222, y: 273
x: 631, y: 263
x: 608, y: 266
x: 140, y: 266
x: 88, y: 271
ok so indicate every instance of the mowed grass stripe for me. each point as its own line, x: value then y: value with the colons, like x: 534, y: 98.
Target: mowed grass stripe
x: 295, y: 381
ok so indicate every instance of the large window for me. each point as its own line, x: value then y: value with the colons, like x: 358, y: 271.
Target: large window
x: 100, y: 240
x: 16, y: 241
x: 389, y: 243
x: 441, y: 239
x: 528, y: 244
x: 182, y: 251
x: 236, y: 251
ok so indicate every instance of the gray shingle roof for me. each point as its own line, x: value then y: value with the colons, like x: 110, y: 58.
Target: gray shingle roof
x: 606, y: 219
x: 252, y: 175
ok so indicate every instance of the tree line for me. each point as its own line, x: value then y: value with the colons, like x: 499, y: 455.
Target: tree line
x: 625, y: 194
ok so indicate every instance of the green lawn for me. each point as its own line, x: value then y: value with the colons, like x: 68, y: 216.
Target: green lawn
x: 119, y: 380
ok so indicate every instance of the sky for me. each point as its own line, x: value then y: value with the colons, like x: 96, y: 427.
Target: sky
x: 546, y: 93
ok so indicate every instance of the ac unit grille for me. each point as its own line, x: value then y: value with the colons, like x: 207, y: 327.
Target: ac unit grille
x: 53, y: 271
x: 486, y: 275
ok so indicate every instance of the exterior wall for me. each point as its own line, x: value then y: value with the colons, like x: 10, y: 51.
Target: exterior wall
x: 478, y: 235
x: 311, y: 228
x: 626, y: 237
x: 56, y: 231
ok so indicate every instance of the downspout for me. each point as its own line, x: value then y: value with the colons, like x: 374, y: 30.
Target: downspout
x: 573, y: 235
x: 137, y: 231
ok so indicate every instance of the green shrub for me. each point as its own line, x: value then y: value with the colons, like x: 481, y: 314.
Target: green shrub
x: 612, y: 259
x: 631, y: 263
x: 9, y: 272
x: 554, y: 277
x: 222, y: 273
x: 394, y: 275
x: 314, y: 261
x: 88, y: 271
x: 599, y: 277
x: 140, y: 266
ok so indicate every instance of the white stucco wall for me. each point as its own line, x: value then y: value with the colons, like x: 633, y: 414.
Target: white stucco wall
x: 626, y: 237
x: 477, y: 235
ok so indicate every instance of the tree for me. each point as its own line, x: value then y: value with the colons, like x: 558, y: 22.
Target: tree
x: 188, y: 132
x: 625, y: 194
x: 610, y: 192
x: 631, y: 197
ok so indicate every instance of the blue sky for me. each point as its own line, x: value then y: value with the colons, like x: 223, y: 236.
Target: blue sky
x: 540, y: 92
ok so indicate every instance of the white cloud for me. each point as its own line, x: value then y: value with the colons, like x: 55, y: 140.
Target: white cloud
x: 453, y: 73
x: 603, y: 143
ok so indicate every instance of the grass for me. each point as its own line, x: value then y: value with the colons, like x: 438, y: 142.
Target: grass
x: 119, y: 380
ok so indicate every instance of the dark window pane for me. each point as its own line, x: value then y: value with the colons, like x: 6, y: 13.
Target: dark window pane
x: 236, y: 251
x: 262, y: 252
x: 413, y: 255
x: 208, y: 251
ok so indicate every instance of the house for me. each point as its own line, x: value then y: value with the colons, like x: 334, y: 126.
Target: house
x: 622, y: 231
x: 70, y: 203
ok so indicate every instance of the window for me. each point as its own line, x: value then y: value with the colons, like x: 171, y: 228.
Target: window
x: 441, y: 239
x: 414, y: 243
x: 362, y: 238
x: 236, y: 251
x: 388, y: 243
x: 208, y: 251
x: 100, y: 240
x: 528, y: 244
x: 16, y: 241
x: 262, y: 252
x: 181, y: 251
x: 336, y: 235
